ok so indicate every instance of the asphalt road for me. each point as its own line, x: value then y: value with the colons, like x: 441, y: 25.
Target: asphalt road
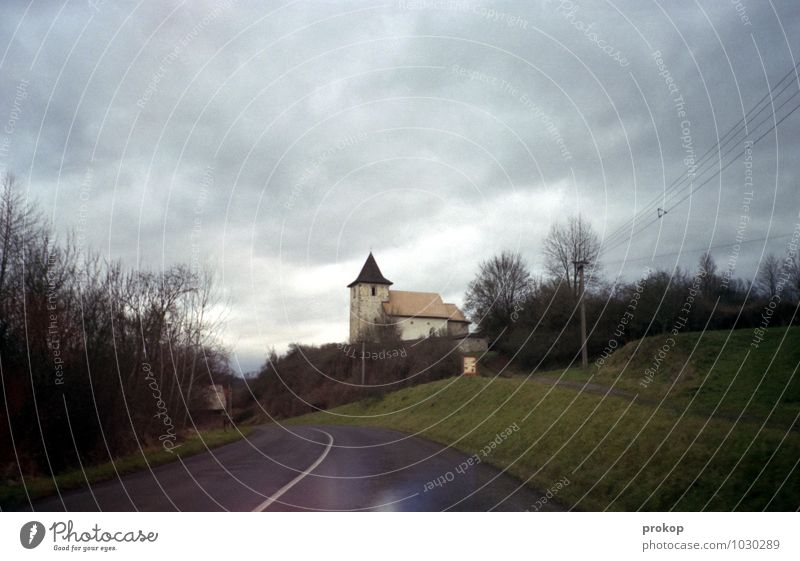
x: 310, y: 468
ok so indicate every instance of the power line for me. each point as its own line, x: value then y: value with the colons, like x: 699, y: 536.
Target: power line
x: 796, y: 107
x: 701, y: 185
x: 705, y: 157
x: 670, y: 194
x: 741, y: 124
x: 678, y: 187
x: 705, y: 248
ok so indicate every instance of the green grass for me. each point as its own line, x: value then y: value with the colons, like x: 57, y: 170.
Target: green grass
x: 714, y: 370
x: 621, y: 453
x: 13, y: 496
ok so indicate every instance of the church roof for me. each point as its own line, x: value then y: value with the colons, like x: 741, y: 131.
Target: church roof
x: 421, y: 304
x: 370, y: 273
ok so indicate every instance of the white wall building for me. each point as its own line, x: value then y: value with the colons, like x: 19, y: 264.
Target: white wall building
x: 417, y: 314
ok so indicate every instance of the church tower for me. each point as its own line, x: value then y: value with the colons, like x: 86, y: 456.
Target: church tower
x: 367, y: 294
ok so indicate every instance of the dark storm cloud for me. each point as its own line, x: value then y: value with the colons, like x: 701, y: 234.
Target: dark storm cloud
x: 280, y: 143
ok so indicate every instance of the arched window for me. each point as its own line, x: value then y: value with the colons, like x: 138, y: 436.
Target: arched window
x: 373, y: 290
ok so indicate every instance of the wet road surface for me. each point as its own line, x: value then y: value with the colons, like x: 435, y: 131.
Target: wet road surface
x: 315, y: 468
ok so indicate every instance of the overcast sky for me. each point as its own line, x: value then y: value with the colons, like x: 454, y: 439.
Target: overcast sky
x: 280, y: 141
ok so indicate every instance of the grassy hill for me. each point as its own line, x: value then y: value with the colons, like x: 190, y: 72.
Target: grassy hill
x: 715, y: 428
x: 714, y: 372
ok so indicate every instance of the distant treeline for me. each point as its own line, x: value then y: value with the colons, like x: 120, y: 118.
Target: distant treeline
x: 96, y: 360
x: 309, y: 378
x: 537, y: 322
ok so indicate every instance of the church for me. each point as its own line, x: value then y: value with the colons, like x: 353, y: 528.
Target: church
x: 416, y: 314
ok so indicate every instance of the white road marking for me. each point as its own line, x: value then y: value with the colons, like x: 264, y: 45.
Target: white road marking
x: 266, y: 504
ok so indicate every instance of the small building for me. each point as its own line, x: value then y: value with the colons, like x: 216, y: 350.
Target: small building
x: 416, y: 314
x: 472, y: 343
x: 215, y: 398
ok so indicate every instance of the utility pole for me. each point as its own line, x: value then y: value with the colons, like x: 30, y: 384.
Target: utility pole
x: 582, y: 288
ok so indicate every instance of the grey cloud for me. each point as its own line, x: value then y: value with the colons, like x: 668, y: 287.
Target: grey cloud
x: 315, y: 123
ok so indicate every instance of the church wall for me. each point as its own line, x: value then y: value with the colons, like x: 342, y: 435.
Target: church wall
x: 419, y: 327
x: 473, y: 345
x: 457, y: 328
x: 365, y: 308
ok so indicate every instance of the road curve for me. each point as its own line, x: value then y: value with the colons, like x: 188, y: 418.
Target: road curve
x: 317, y: 468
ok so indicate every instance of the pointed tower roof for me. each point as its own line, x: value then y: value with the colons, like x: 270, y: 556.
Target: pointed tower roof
x: 370, y: 273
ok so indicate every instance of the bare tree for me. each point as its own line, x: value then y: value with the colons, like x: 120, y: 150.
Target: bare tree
x: 77, y: 330
x: 768, y: 275
x: 20, y: 225
x: 199, y: 328
x: 17, y: 221
x: 707, y: 269
x: 567, y: 243
x: 500, y: 287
